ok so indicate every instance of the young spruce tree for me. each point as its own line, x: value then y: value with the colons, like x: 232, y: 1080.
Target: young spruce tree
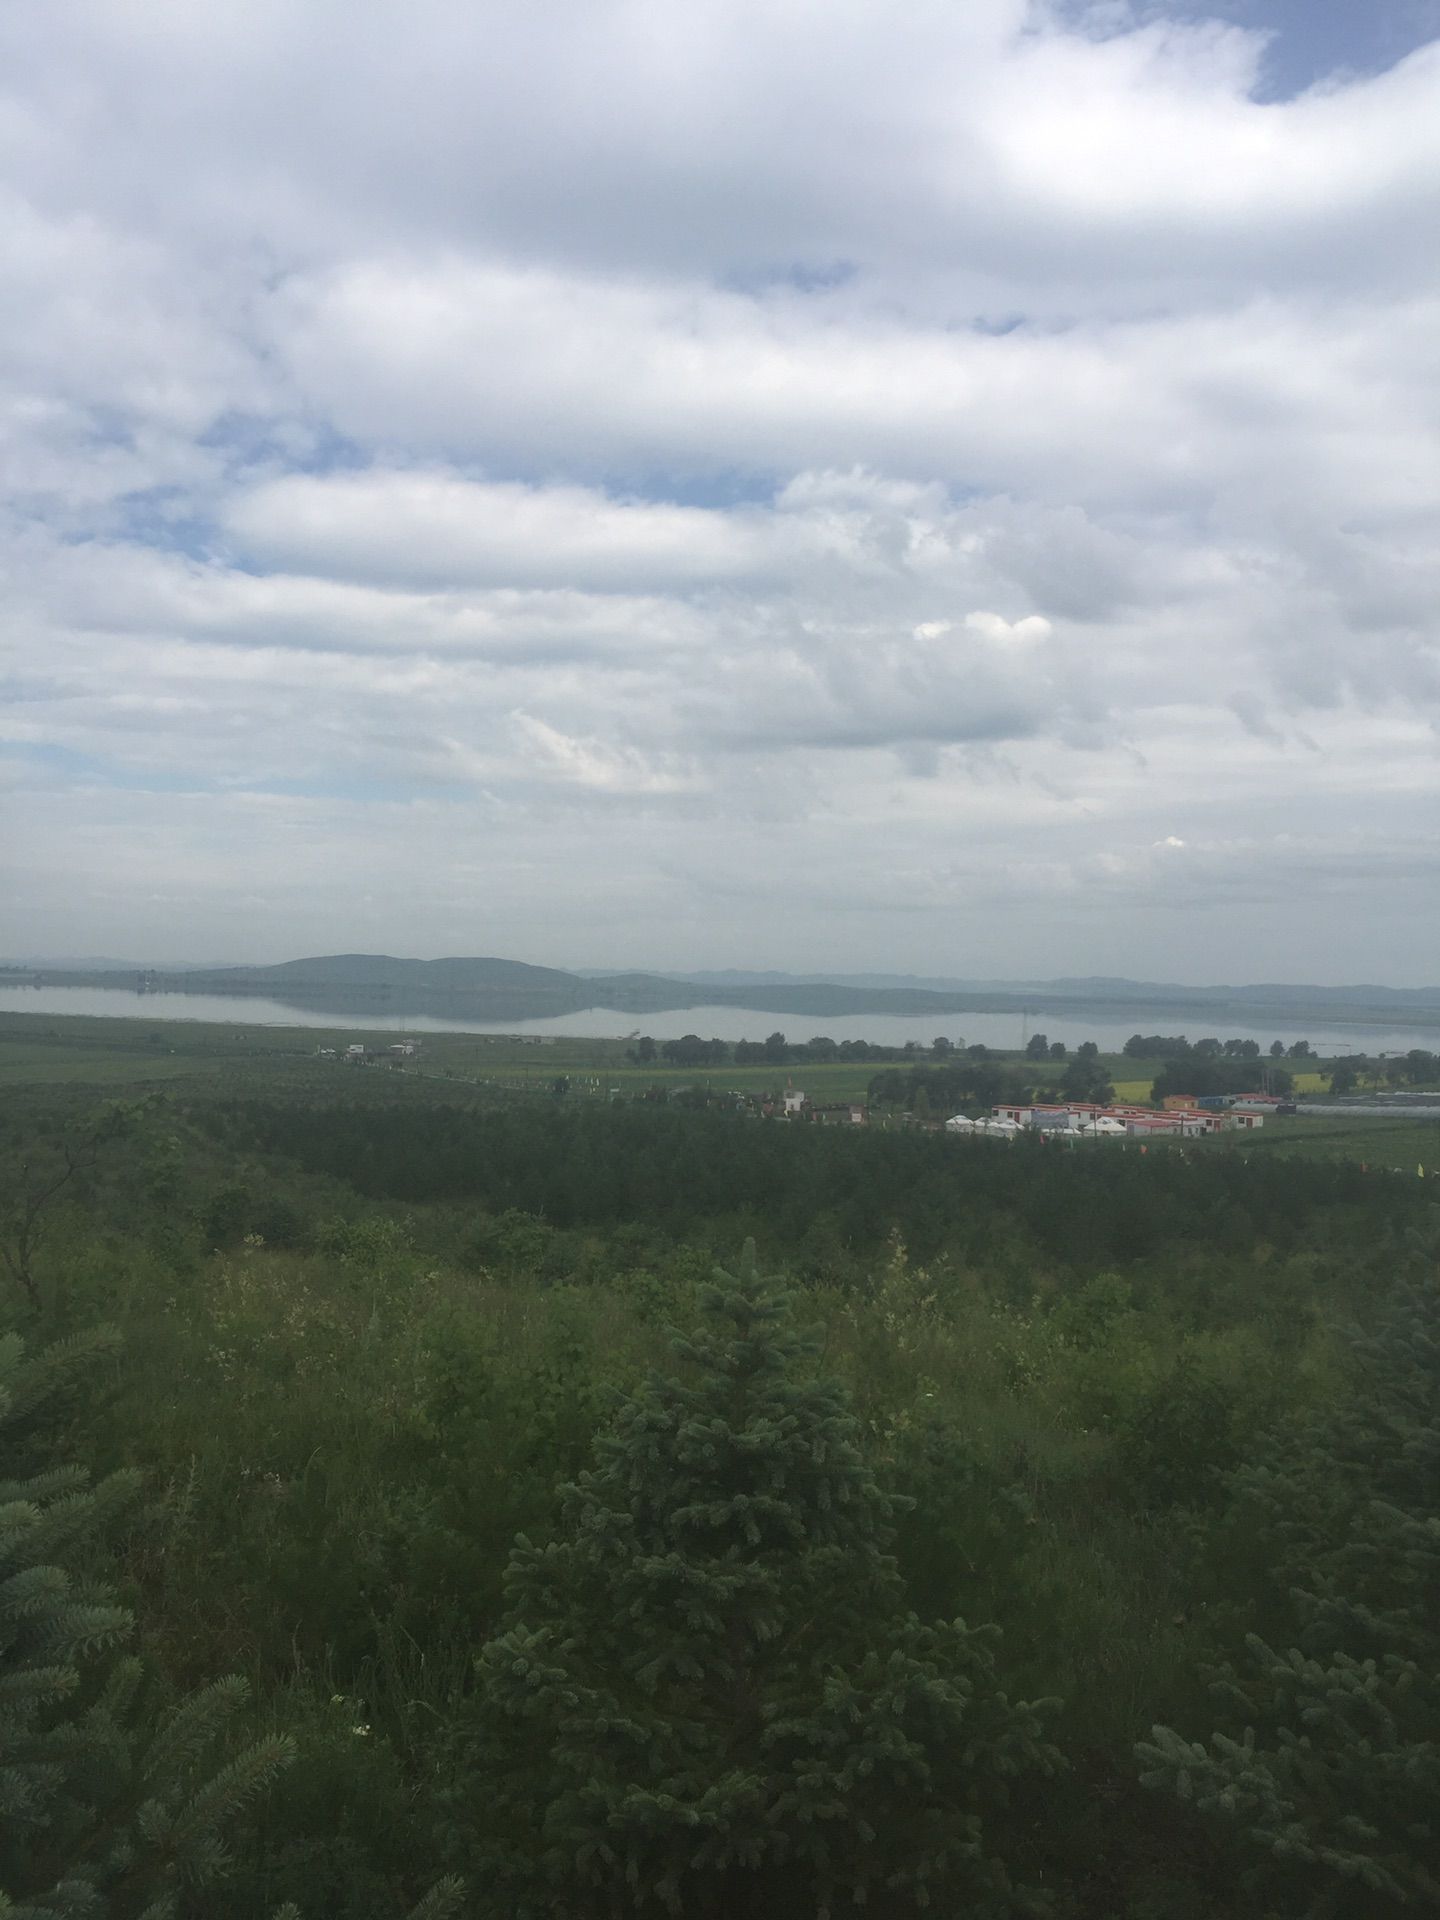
x: 1325, y: 1761
x: 109, y: 1807
x: 709, y: 1697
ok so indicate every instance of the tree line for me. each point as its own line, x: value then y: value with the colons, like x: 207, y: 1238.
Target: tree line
x: 1175, y: 1046
x: 776, y: 1051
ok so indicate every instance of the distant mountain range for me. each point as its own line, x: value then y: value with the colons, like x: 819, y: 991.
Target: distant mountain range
x: 492, y: 989
x: 1088, y: 987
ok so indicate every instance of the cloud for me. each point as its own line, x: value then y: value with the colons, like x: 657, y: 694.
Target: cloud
x: 433, y: 529
x: 1009, y: 633
x: 971, y: 464
x: 594, y: 763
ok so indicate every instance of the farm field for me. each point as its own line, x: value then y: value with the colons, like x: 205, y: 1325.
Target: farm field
x: 115, y: 1053
x: 84, y: 1050
x: 38, y: 1050
x: 1377, y: 1141
x: 79, y: 1050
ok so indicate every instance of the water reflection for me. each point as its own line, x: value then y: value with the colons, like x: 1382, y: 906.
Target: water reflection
x: 1109, y: 1030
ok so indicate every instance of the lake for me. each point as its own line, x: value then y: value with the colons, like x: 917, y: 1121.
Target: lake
x: 1109, y: 1030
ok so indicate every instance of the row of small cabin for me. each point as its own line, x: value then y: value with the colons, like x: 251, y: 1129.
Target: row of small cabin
x: 1182, y: 1114
x: 357, y: 1055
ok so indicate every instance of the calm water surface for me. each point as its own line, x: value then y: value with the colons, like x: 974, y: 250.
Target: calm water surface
x: 1110, y: 1031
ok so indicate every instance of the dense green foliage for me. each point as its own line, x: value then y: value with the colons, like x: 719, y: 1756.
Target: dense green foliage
x: 1328, y: 1757
x: 1177, y: 1046
x: 111, y: 1801
x: 776, y: 1051
x: 1159, y: 1419
x: 1207, y: 1076
x: 708, y: 1696
x: 944, y: 1089
x: 665, y: 1173
x: 1417, y: 1068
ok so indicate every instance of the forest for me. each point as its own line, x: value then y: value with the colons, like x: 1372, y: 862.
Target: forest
x: 419, y: 1502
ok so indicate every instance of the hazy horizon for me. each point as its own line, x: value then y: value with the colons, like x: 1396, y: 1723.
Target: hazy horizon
x: 161, y: 962
x: 946, y: 490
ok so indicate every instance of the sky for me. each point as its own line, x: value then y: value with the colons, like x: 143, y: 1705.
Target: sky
x: 926, y: 486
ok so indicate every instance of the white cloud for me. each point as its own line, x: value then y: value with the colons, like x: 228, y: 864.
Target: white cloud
x: 1009, y: 633
x: 436, y: 529
x: 594, y: 763
x: 894, y: 463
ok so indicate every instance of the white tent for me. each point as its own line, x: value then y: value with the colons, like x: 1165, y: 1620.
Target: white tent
x: 958, y: 1123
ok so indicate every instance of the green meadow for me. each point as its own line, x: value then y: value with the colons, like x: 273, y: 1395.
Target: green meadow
x: 36, y: 1049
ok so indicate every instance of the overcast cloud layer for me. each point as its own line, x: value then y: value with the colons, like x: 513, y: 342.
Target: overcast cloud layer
x: 928, y: 486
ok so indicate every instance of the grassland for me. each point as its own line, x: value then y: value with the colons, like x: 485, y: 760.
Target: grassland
x: 121, y: 1055
x: 76, y: 1049
x: 1399, y: 1145
x: 83, y: 1050
x: 107, y: 1052
x: 38, y: 1049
